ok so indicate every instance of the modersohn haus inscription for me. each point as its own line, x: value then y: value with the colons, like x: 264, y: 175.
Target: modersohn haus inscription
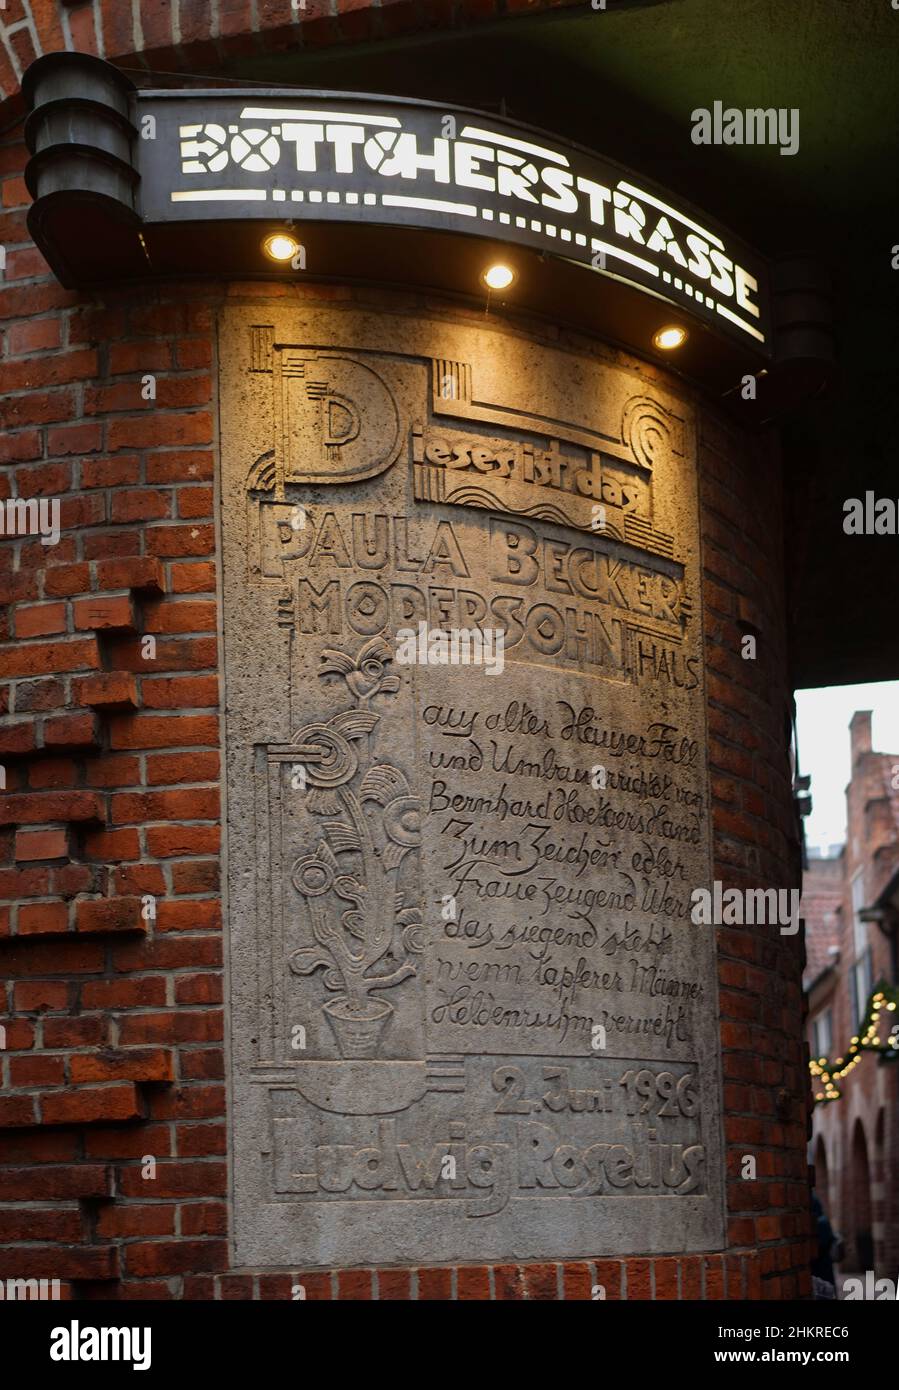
x: 470, y: 1016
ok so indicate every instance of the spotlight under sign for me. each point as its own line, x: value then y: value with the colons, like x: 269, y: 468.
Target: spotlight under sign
x: 178, y: 160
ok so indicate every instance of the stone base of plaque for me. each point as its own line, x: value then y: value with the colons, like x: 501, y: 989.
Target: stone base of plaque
x: 362, y: 1087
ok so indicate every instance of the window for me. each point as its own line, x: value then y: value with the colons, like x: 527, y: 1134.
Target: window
x: 861, y: 984
x: 859, y: 928
x: 822, y: 1034
x: 860, y: 975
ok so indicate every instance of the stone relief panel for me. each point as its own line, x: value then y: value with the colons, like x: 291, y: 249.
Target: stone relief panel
x: 470, y: 1016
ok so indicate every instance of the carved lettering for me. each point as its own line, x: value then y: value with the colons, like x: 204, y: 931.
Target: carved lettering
x: 469, y: 896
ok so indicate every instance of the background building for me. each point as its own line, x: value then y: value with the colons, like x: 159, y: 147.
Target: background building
x: 850, y: 914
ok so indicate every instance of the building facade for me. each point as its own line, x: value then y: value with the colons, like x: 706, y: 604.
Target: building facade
x: 848, y: 902
x: 337, y: 968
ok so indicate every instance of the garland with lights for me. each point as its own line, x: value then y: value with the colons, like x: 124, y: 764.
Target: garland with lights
x: 883, y: 997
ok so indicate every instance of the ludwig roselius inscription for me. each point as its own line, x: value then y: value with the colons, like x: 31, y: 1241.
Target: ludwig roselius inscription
x: 471, y: 1018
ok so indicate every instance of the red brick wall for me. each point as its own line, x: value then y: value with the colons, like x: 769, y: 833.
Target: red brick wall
x: 114, y: 1024
x: 764, y: 1055
x: 197, y: 35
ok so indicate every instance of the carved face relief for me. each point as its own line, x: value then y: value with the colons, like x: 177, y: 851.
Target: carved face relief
x: 467, y: 799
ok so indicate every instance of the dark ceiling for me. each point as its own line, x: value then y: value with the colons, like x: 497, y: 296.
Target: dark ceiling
x: 624, y: 81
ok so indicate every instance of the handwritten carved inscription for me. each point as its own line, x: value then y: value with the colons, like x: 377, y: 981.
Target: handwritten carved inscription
x: 471, y: 1018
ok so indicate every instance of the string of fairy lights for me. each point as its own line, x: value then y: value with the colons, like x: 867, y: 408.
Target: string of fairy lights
x: 884, y: 999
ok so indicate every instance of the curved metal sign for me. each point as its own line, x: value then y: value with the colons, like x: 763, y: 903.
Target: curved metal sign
x: 328, y: 157
x: 173, y: 158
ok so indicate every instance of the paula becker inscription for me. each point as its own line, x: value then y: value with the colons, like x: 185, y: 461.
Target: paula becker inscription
x: 471, y: 1018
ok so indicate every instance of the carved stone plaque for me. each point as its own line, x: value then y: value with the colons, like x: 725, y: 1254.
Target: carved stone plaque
x: 470, y: 1017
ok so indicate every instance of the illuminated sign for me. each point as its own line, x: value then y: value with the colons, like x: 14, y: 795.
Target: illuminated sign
x: 126, y: 183
x: 336, y: 158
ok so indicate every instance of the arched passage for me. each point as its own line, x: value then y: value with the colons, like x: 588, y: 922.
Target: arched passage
x: 822, y: 1175
x: 860, y: 1206
x: 878, y: 1190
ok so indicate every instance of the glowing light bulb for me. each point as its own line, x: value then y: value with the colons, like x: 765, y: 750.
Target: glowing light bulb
x: 498, y: 277
x: 670, y: 337
x: 280, y: 246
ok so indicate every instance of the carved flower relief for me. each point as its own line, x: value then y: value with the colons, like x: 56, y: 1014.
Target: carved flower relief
x: 312, y: 876
x: 326, y: 752
x: 402, y: 823
x: 409, y: 919
x: 308, y: 958
x: 366, y: 676
x: 401, y: 817
x: 366, y: 948
x: 329, y: 758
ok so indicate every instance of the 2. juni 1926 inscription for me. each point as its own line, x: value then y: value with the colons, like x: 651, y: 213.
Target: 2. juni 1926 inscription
x: 467, y: 799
